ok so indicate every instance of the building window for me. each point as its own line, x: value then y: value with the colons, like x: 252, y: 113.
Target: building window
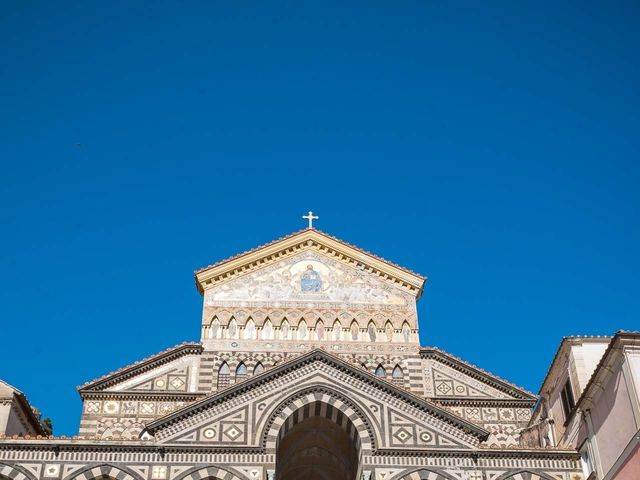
x: 241, y: 372
x: 223, y: 375
x: 397, y: 375
x: 567, y: 399
x: 586, y: 460
x: 380, y: 371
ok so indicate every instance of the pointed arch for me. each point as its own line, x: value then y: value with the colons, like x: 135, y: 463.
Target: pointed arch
x: 320, y: 330
x: 267, y: 330
x: 241, y: 372
x: 406, y: 332
x: 524, y: 475
x: 106, y: 470
x: 285, y: 330
x: 337, y: 330
x: 321, y: 401
x: 397, y: 375
x: 214, y: 329
x: 249, y: 332
x: 388, y: 331
x: 423, y: 474
x: 372, y: 331
x: 380, y: 371
x: 232, y: 328
x: 302, y: 330
x: 209, y: 473
x: 224, y: 375
x: 259, y: 368
x: 354, y: 331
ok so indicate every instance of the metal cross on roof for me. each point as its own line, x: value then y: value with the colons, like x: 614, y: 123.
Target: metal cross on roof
x: 311, y: 218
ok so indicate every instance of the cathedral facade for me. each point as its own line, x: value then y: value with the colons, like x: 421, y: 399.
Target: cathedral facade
x: 309, y: 367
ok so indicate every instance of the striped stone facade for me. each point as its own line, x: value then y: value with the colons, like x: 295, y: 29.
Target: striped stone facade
x: 302, y: 329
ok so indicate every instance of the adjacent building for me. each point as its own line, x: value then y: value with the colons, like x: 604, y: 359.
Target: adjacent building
x: 17, y: 417
x: 590, y: 401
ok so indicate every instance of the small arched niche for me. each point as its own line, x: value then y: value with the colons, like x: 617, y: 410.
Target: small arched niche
x: 224, y: 375
x: 241, y: 372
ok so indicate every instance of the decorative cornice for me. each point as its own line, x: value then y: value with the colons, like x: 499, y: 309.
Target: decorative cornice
x: 271, y: 252
x: 82, y: 445
x: 132, y: 395
x: 322, y: 356
x: 141, y: 366
x: 477, y: 373
x: 483, y: 402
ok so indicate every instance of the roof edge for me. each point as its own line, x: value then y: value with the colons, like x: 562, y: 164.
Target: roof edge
x: 152, y: 361
x: 500, y: 383
x: 615, y: 343
x: 566, y: 340
x: 312, y: 355
x: 236, y: 264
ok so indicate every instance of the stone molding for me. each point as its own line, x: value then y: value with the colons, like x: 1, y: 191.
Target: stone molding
x: 303, y: 240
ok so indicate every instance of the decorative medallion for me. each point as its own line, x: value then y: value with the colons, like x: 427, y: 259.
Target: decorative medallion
x: 111, y: 407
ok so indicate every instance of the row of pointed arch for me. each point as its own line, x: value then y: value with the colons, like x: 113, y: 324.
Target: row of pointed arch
x: 301, y: 331
x: 241, y: 372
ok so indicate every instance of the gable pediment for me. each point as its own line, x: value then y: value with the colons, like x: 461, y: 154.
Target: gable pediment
x: 315, y: 241
x: 244, y: 415
x: 309, y: 276
x: 168, y: 371
x: 448, y: 377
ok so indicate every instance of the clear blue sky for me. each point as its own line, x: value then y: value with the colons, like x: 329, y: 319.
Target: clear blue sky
x: 493, y: 147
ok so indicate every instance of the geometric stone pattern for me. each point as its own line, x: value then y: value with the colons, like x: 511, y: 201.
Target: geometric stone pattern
x: 308, y: 329
x: 243, y: 420
x: 503, y: 422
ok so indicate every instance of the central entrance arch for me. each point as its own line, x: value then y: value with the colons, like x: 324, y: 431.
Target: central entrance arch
x: 316, y: 449
x: 317, y: 441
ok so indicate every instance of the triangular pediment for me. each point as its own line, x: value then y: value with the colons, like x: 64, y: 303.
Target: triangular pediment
x: 167, y: 371
x: 448, y: 377
x: 309, y: 276
x: 245, y: 414
x: 309, y: 240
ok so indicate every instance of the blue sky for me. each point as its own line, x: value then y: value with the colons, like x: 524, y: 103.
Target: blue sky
x: 491, y: 146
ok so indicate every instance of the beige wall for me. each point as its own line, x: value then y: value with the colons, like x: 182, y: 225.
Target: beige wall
x: 13, y: 420
x: 586, y: 359
x: 5, y: 409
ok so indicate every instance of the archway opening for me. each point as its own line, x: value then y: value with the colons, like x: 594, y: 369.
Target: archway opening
x: 317, y: 448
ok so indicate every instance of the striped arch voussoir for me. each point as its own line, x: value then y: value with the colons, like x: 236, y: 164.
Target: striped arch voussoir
x: 524, y: 475
x: 317, y: 402
x: 208, y: 473
x: 12, y: 473
x: 103, y: 471
x: 422, y: 474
